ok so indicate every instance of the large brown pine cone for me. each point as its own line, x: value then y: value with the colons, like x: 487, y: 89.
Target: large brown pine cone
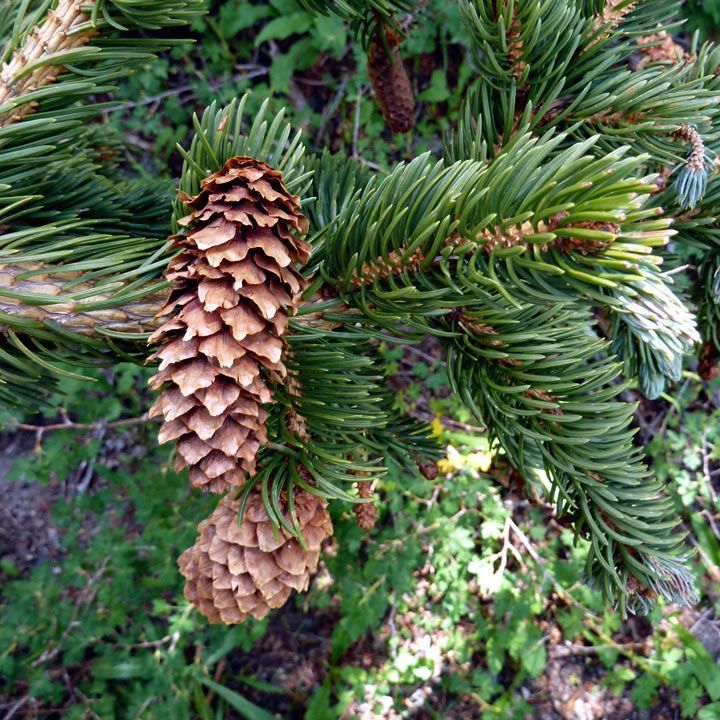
x: 390, y: 81
x: 237, y: 570
x: 234, y: 286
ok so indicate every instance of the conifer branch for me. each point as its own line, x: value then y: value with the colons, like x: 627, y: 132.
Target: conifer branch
x: 382, y: 268
x: 491, y: 239
x: 611, y: 16
x: 527, y: 234
x: 515, y: 47
x: 38, y: 62
x: 49, y: 295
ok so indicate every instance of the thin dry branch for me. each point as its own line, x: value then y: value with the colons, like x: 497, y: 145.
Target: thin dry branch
x: 70, y: 425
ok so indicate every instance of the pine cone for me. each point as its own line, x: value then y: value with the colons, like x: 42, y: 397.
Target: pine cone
x: 234, y: 286
x: 708, y: 368
x: 429, y: 470
x: 242, y: 568
x: 390, y: 81
x: 365, y: 513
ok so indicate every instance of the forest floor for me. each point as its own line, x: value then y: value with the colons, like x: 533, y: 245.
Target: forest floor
x: 452, y: 637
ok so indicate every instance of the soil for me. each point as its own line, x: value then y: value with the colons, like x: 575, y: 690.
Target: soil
x: 27, y: 535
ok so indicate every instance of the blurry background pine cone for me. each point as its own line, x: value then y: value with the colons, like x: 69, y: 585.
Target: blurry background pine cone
x: 390, y: 81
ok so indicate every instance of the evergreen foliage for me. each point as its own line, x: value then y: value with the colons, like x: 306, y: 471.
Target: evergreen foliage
x: 533, y: 249
x: 364, y: 15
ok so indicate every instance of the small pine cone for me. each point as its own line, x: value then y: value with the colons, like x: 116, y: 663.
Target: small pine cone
x: 239, y: 568
x: 234, y: 287
x: 708, y: 369
x: 390, y: 81
x: 365, y: 513
x: 429, y: 470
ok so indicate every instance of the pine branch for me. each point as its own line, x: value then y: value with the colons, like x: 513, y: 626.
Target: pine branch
x: 553, y: 411
x: 101, y: 239
x: 38, y: 62
x: 611, y: 16
x: 515, y: 47
x: 44, y: 49
x: 48, y: 296
x: 577, y: 79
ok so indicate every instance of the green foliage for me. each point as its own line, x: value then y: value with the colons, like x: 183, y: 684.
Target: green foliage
x: 457, y: 585
x: 466, y: 590
x: 108, y: 614
x: 157, y: 104
x: 703, y: 15
x: 77, y: 210
x: 536, y: 235
x: 479, y: 594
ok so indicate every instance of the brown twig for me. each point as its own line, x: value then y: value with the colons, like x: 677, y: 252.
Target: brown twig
x: 571, y: 649
x: 248, y: 72
x: 70, y: 425
x: 611, y: 16
x: 516, y: 48
x: 17, y: 707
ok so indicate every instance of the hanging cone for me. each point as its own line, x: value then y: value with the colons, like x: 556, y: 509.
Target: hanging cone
x: 365, y: 513
x: 709, y: 367
x: 234, y: 286
x: 429, y: 470
x: 390, y: 81
x: 237, y: 569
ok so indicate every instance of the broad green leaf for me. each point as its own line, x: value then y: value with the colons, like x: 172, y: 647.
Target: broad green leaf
x: 438, y: 90
x: 284, y: 27
x: 248, y: 710
x: 709, y: 712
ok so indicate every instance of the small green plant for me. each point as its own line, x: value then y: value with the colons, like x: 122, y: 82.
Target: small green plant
x: 101, y: 630
x: 703, y: 15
